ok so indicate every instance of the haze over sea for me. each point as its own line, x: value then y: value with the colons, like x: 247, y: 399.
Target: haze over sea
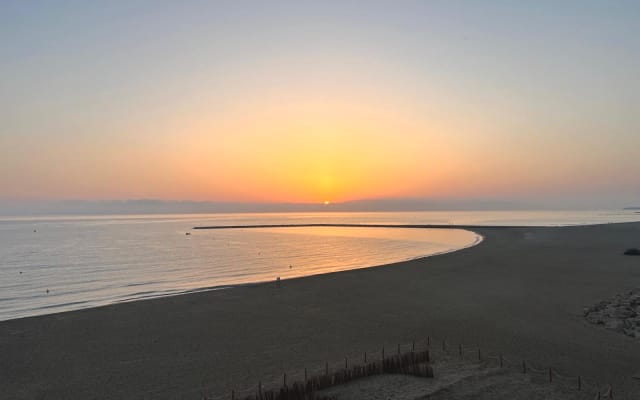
x: 54, y: 264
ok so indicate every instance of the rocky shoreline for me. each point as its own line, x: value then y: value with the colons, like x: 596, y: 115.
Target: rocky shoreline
x: 621, y: 313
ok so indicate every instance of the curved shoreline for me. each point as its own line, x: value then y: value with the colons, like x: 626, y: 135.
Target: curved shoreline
x: 521, y: 292
x: 478, y: 239
x: 151, y: 294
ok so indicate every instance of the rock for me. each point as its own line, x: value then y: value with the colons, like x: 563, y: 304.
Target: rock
x: 596, y: 318
x: 615, y: 325
x: 621, y: 313
x: 635, y: 321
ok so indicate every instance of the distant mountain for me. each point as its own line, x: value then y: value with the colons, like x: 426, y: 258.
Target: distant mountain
x: 153, y: 206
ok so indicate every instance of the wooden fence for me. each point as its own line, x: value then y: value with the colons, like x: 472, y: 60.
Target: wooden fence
x: 404, y: 360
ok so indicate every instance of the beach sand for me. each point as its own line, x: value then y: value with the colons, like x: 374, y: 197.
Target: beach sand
x: 520, y: 292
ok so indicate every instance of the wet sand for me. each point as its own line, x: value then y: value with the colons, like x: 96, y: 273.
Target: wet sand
x: 521, y: 292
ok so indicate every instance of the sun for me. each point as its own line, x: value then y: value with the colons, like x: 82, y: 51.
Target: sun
x: 326, y: 202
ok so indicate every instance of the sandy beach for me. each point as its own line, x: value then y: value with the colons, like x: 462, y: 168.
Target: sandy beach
x: 521, y: 292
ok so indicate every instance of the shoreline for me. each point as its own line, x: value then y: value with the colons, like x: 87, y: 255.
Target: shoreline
x: 521, y: 291
x: 177, y: 292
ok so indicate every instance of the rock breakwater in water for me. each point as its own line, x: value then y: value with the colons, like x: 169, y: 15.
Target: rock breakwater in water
x: 621, y: 313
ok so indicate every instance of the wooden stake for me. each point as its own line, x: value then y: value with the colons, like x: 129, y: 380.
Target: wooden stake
x: 579, y: 383
x: 524, y: 367
x: 501, y: 360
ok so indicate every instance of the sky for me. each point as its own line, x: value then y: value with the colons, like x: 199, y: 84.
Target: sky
x: 306, y: 102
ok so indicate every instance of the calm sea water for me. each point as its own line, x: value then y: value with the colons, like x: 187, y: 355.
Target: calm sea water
x: 58, y: 264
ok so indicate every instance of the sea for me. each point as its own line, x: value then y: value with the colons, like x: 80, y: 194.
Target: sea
x: 62, y: 263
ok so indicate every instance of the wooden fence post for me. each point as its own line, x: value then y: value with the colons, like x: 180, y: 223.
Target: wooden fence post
x: 365, y: 357
x: 460, y: 350
x: 579, y: 383
x: 479, y: 355
x: 524, y: 367
x: 428, y: 341
x: 233, y: 395
x: 284, y: 380
x: 326, y: 368
x: 501, y: 364
x: 398, y: 348
x: 345, y: 363
x: 550, y: 376
x: 413, y: 346
x: 443, y: 344
x: 382, y: 352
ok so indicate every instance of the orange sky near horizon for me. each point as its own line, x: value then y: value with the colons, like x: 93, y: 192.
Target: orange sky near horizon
x: 312, y: 145
x: 301, y: 150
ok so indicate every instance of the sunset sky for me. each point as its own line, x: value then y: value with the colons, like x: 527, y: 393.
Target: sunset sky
x: 310, y: 101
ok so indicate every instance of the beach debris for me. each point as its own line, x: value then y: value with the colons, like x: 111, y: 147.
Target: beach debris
x: 620, y: 314
x: 188, y: 234
x: 632, y: 252
x: 47, y: 291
